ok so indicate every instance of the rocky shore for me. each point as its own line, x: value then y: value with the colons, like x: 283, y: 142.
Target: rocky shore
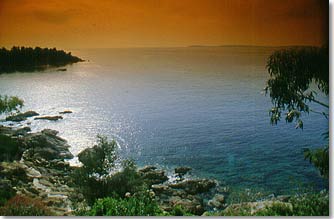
x: 40, y: 170
x: 35, y: 165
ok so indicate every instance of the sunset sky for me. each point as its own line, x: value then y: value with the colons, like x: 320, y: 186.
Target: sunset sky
x: 162, y: 23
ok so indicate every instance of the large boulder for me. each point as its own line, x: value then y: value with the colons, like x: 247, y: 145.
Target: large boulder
x: 14, y: 131
x: 182, y: 170
x: 47, y: 145
x: 153, y: 176
x: 21, y: 116
x: 192, y: 204
x: 195, y: 186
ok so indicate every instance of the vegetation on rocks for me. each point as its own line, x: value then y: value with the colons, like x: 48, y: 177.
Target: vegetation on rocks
x: 24, y: 206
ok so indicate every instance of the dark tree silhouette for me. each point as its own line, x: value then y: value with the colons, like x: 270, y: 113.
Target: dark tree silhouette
x: 26, y: 59
x: 292, y: 72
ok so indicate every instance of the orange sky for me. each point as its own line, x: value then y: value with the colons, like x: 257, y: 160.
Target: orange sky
x: 142, y: 23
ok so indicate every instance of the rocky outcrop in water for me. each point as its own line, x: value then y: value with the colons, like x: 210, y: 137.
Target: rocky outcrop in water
x: 51, y: 118
x: 21, y: 116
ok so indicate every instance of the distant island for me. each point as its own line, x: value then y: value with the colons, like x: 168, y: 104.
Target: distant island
x: 27, y: 59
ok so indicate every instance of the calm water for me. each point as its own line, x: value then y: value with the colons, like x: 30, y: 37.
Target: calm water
x: 199, y: 107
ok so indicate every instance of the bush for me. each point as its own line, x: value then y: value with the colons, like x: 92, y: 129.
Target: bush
x: 8, y: 104
x: 94, y: 179
x: 313, y: 204
x: 6, y: 191
x: 101, y: 158
x: 316, y: 204
x: 141, y: 204
x: 178, y: 210
x: 9, y: 149
x: 24, y: 206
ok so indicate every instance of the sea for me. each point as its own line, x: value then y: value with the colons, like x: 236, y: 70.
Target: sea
x: 201, y: 107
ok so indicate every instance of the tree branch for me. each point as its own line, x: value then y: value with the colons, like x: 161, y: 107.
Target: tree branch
x: 316, y: 101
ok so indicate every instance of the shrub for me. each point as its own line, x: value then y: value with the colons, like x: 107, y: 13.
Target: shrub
x: 141, y: 204
x: 94, y: 179
x: 6, y: 191
x: 8, y: 104
x: 24, y: 206
x: 312, y: 204
x: 178, y: 210
x: 99, y: 159
x: 316, y: 204
x: 116, y: 185
x: 9, y: 149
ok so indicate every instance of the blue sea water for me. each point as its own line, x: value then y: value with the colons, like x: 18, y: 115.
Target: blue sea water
x: 201, y: 107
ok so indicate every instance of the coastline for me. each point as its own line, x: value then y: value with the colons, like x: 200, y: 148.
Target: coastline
x: 43, y: 172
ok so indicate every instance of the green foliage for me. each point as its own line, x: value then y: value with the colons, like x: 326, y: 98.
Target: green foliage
x: 320, y: 159
x: 95, y: 178
x: 126, y: 180
x: 8, y: 104
x: 316, y: 204
x: 24, y: 206
x: 141, y: 204
x: 178, y: 210
x: 313, y: 204
x: 101, y: 158
x: 6, y: 191
x: 9, y: 148
x: 292, y: 71
x: 25, y: 59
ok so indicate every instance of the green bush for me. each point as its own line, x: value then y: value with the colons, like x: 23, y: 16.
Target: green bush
x: 316, y: 204
x: 6, y: 191
x: 101, y: 158
x: 9, y: 148
x: 313, y: 204
x: 94, y: 179
x: 178, y: 210
x: 141, y: 204
x: 8, y: 104
x: 24, y: 206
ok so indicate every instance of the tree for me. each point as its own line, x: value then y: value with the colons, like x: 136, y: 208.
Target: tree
x: 8, y: 104
x: 292, y: 73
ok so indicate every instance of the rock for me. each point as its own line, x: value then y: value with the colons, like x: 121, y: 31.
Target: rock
x: 21, y: 116
x: 22, y: 131
x: 50, y: 132
x: 33, y: 173
x: 182, y: 170
x: 46, y: 145
x: 127, y: 195
x: 147, y: 169
x: 51, y: 118
x: 159, y: 189
x: 193, y: 206
x: 217, y: 201
x: 195, y: 186
x: 154, y: 176
x: 61, y: 69
x: 15, y: 172
x: 66, y: 112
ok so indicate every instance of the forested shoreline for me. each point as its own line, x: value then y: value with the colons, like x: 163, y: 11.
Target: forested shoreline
x: 28, y: 59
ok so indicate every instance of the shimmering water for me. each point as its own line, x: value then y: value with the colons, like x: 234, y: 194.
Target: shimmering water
x: 199, y: 107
